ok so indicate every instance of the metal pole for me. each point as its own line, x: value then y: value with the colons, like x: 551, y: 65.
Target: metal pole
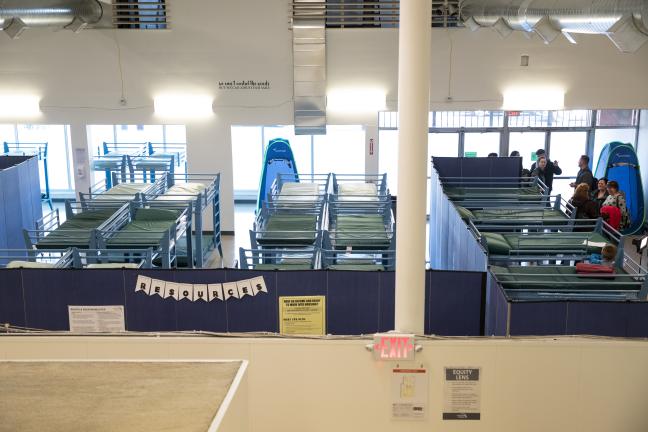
x: 414, y: 57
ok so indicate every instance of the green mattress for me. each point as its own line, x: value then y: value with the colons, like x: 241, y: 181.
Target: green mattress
x: 76, y: 231
x: 289, y: 229
x: 503, y: 244
x: 360, y: 231
x: 123, y: 190
x: 148, y: 228
x: 513, y: 215
x: 562, y: 275
x: 523, y: 194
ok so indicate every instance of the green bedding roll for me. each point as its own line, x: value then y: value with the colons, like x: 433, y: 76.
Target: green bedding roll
x: 502, y: 244
x: 523, y: 216
x: 357, y: 267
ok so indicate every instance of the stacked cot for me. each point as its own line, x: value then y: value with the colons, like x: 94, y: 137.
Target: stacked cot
x: 329, y: 221
x: 132, y: 159
x: 135, y: 216
x: 361, y: 233
x: 533, y: 241
x: 287, y: 231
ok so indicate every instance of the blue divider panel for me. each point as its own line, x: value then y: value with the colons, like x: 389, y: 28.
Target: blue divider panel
x: 478, y: 167
x: 357, y: 302
x: 496, y: 308
x: 599, y: 318
x: 19, y: 199
x: 12, y: 302
x: 538, y: 318
x: 452, y: 245
x: 456, y: 303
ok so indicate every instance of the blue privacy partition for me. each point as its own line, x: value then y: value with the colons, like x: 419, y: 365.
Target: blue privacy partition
x: 563, y: 317
x: 20, y: 199
x: 452, y: 245
x: 356, y: 302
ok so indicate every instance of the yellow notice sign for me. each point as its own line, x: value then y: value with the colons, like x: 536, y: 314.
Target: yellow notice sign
x: 302, y: 315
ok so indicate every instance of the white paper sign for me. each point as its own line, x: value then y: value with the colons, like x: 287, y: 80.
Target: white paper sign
x: 409, y: 390
x: 462, y: 393
x: 96, y: 319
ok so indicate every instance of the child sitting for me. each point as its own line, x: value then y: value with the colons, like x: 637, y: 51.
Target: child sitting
x: 608, y: 255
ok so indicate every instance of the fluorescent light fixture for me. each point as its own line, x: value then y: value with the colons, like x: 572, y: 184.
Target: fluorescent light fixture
x: 183, y: 105
x: 16, y: 106
x: 536, y: 98
x: 356, y: 100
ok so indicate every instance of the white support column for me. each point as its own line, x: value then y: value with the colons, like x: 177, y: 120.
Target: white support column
x: 414, y: 57
x: 80, y: 157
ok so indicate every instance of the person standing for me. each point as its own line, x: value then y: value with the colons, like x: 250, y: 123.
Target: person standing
x: 584, y: 173
x: 551, y: 169
x: 600, y: 194
x: 541, y: 170
x: 617, y: 199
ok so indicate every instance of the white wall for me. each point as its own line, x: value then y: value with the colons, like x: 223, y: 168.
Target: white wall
x: 594, y: 74
x: 550, y: 384
x: 79, y: 81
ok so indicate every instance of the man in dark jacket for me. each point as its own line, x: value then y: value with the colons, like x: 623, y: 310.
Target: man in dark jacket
x: 549, y: 171
x: 584, y: 174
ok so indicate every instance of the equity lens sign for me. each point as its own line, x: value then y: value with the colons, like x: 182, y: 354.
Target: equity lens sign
x: 393, y: 347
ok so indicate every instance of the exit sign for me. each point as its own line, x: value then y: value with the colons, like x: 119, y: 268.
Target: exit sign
x: 392, y: 346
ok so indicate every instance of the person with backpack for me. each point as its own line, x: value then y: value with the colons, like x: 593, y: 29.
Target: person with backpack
x: 616, y: 199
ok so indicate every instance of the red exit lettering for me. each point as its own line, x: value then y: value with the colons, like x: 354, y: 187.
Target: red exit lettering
x: 394, y: 347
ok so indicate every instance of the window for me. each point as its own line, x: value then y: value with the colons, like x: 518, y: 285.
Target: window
x: 140, y: 14
x: 604, y: 136
x: 527, y: 143
x: 59, y: 155
x: 300, y: 145
x: 341, y: 150
x: 171, y: 138
x: 388, y: 157
x: 481, y: 144
x: 617, y: 117
x: 567, y: 148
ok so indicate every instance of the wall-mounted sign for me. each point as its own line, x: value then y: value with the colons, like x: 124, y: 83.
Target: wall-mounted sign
x: 244, y: 85
x: 201, y: 292
x: 390, y: 346
x: 409, y: 391
x: 302, y: 315
x: 462, y: 393
x: 96, y: 319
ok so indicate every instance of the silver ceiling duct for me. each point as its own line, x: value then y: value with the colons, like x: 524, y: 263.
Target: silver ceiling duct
x: 17, y: 15
x: 625, y: 22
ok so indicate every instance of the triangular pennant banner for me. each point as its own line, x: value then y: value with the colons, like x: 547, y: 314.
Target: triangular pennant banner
x: 157, y: 287
x: 215, y: 292
x: 258, y: 285
x: 143, y: 284
x: 244, y: 288
x: 185, y: 292
x: 200, y: 292
x: 230, y: 290
x: 171, y: 290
